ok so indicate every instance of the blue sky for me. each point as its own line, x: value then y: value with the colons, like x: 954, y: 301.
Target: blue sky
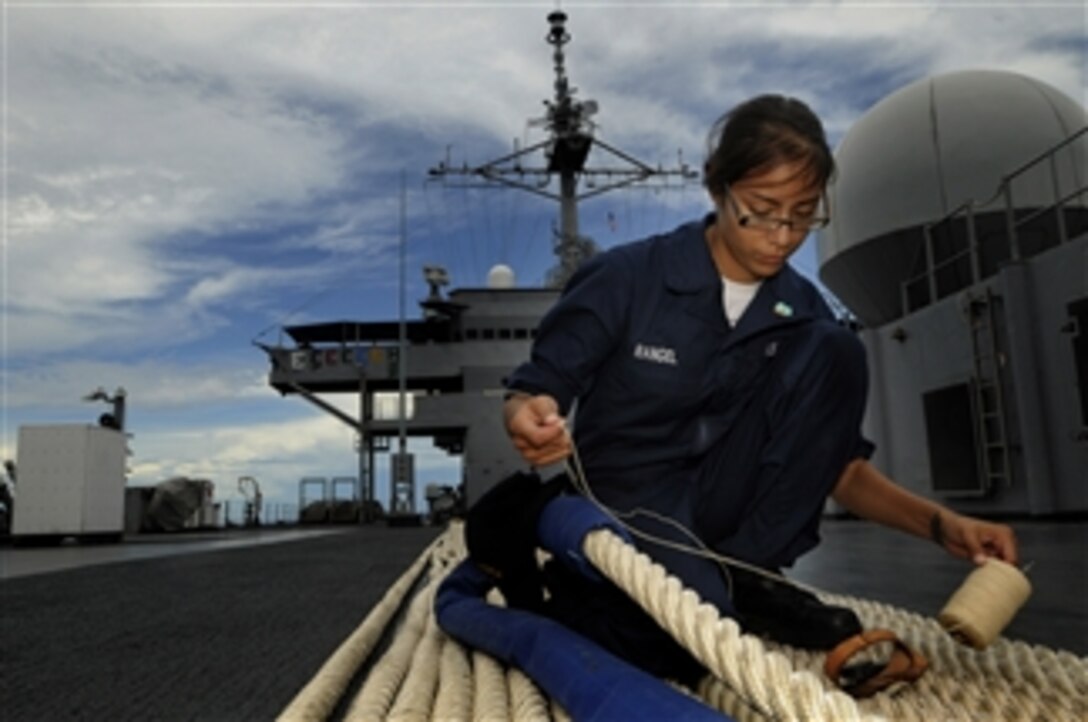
x: 181, y: 178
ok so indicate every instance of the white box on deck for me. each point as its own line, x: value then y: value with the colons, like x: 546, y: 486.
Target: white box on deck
x: 71, y: 480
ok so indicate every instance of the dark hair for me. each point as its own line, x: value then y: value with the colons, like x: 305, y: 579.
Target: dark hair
x: 763, y: 131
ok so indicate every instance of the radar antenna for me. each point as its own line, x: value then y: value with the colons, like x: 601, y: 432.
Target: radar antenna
x: 116, y: 420
x: 567, y: 148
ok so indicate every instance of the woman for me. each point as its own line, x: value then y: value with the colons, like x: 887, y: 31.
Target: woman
x: 713, y: 386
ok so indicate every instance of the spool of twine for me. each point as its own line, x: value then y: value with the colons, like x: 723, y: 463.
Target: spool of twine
x: 985, y: 603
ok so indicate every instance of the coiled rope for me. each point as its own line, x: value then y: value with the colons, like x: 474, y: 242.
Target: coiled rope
x: 318, y: 698
x: 491, y: 695
x: 756, y: 680
x: 426, y: 675
x: 376, y: 699
x: 404, y: 684
x: 455, y: 681
x: 526, y: 701
x: 766, y: 681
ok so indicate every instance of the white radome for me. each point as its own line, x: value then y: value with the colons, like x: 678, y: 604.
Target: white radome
x: 500, y: 276
x: 925, y: 150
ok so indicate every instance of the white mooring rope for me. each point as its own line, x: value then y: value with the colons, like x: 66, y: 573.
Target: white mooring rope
x: 455, y: 684
x: 426, y: 675
x: 491, y: 695
x: 318, y: 698
x: 376, y: 697
x: 526, y: 701
x: 765, y: 680
x: 757, y: 680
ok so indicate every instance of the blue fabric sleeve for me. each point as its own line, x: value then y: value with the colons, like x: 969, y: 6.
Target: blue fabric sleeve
x: 563, y: 525
x: 579, y: 332
x: 591, y: 684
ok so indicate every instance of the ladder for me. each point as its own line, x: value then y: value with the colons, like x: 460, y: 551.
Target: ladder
x: 992, y: 446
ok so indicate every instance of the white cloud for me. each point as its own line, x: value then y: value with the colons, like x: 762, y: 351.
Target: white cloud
x: 277, y: 453
x: 149, y: 383
x: 123, y: 156
x: 236, y: 283
x: 172, y: 167
x: 279, y: 449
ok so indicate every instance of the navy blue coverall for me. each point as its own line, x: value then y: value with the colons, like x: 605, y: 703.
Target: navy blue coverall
x: 739, y: 433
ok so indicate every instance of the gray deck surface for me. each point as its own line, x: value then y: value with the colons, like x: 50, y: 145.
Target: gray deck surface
x: 219, y: 635
x: 232, y: 634
x: 865, y: 560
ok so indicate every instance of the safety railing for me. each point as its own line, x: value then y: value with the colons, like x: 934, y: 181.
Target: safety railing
x: 956, y: 257
x: 235, y: 513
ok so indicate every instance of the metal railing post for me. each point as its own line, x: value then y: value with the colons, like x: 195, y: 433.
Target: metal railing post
x: 972, y: 245
x: 931, y: 270
x: 1010, y: 221
x: 1062, y: 232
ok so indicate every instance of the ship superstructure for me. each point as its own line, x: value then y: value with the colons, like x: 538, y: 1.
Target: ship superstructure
x: 960, y: 241
x: 959, y: 244
x: 457, y: 356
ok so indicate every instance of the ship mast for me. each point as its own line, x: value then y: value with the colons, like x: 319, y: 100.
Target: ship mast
x: 567, y: 148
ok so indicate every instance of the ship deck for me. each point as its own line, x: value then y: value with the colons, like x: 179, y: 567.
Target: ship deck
x: 230, y: 626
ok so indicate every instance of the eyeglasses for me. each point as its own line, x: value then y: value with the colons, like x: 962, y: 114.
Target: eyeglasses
x: 766, y: 222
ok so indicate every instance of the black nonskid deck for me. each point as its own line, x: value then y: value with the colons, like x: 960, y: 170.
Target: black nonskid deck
x: 234, y: 634
x: 224, y: 635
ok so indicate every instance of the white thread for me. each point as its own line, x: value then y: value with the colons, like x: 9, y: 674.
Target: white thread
x: 581, y: 483
x: 975, y: 615
x: 985, y: 603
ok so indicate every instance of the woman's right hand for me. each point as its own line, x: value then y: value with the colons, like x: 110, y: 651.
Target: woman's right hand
x: 537, y: 429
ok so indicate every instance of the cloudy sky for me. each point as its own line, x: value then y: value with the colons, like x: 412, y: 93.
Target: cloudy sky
x: 182, y: 178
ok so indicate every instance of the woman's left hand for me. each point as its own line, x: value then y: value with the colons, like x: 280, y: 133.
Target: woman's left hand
x: 975, y: 539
